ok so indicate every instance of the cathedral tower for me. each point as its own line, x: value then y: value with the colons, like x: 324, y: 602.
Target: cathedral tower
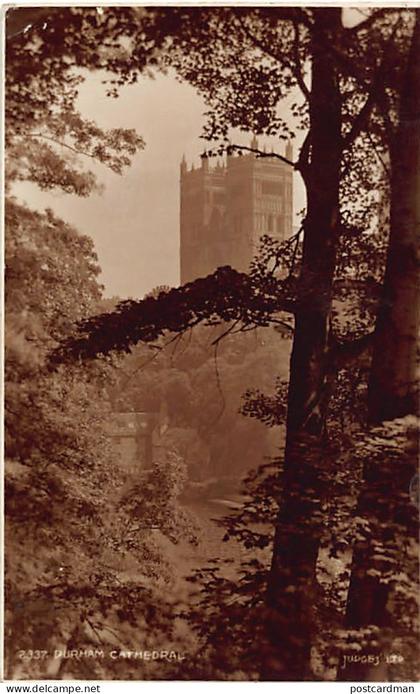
x: 226, y: 209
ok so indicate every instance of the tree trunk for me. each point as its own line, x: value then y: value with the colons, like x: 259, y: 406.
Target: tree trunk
x: 393, y: 381
x: 292, y: 586
x: 392, y: 388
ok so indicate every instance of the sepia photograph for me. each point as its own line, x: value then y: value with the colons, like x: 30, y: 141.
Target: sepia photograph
x: 211, y: 227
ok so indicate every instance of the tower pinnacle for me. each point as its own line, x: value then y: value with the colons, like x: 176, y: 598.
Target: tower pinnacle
x: 205, y: 161
x: 289, y: 150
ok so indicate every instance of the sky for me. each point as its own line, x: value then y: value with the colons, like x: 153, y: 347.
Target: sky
x: 134, y: 222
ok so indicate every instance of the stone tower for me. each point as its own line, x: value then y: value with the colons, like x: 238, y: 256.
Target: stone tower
x: 226, y: 209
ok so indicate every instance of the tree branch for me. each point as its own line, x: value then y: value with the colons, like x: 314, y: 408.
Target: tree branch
x: 292, y: 15
x: 376, y: 89
x: 303, y: 161
x: 297, y: 63
x: 261, y: 154
x: 224, y: 296
x: 62, y: 144
x: 379, y: 155
x: 367, y: 23
x: 277, y: 321
x: 225, y: 333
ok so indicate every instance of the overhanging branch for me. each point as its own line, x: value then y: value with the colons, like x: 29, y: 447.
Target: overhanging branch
x: 224, y: 296
x: 263, y: 155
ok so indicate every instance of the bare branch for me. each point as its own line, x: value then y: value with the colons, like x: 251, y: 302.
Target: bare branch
x: 62, y: 144
x: 376, y: 90
x: 219, y: 386
x: 297, y: 71
x: 261, y: 154
x: 225, y: 333
x: 379, y: 156
x: 277, y: 321
x: 94, y: 629
x: 370, y: 19
x: 303, y: 161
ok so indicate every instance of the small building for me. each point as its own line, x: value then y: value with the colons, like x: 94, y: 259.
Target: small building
x: 132, y: 434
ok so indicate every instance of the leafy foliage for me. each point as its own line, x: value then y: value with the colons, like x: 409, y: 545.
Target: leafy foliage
x: 51, y: 156
x: 80, y: 573
x: 81, y: 566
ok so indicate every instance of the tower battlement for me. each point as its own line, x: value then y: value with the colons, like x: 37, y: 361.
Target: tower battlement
x: 205, y: 167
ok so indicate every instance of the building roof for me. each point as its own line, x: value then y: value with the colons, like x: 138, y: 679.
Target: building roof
x: 132, y: 424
